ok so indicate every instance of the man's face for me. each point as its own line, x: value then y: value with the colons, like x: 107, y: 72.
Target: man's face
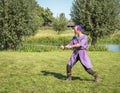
x: 75, y: 30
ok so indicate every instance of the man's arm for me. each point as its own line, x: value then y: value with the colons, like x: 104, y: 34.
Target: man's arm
x: 70, y: 46
x: 75, y: 45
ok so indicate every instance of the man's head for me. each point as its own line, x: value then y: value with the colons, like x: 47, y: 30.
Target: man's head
x: 78, y: 29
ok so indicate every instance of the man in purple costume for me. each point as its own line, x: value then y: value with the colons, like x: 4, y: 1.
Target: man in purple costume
x: 80, y: 44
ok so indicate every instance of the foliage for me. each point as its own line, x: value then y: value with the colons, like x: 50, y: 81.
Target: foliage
x: 98, y: 48
x: 60, y: 23
x: 37, y: 48
x: 49, y: 40
x: 99, y: 17
x: 112, y: 39
x: 50, y: 43
x: 48, y: 48
x: 45, y: 72
x: 47, y: 16
x: 17, y: 20
x: 43, y: 15
x: 38, y: 12
x: 44, y: 44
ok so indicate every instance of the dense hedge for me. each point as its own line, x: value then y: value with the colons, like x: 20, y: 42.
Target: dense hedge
x: 49, y: 40
x: 38, y: 48
x: 98, y: 48
x: 112, y: 39
x: 44, y: 44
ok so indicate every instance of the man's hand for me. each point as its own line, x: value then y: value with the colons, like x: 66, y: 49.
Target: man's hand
x: 68, y: 47
x: 62, y: 47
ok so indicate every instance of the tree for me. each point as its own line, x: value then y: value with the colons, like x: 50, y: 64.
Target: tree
x: 47, y: 15
x: 60, y: 23
x: 38, y: 12
x: 17, y: 20
x: 99, y: 17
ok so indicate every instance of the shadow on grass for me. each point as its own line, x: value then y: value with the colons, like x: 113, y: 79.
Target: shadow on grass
x: 62, y: 77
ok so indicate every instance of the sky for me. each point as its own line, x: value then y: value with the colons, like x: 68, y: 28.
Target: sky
x: 57, y: 6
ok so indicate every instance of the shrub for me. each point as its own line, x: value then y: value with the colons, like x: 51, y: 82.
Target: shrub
x: 17, y: 20
x: 98, y: 48
x: 37, y: 48
x: 49, y: 40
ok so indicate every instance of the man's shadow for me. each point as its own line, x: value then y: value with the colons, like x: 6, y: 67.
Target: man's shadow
x: 62, y: 77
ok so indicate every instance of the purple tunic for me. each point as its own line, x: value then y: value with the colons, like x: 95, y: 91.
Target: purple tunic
x: 81, y: 51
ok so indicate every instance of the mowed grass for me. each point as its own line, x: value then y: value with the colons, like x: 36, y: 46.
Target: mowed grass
x: 45, y: 72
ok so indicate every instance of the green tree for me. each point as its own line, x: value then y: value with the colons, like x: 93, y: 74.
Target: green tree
x: 47, y: 16
x: 99, y: 17
x: 44, y: 16
x: 17, y: 20
x: 38, y: 12
x: 60, y: 23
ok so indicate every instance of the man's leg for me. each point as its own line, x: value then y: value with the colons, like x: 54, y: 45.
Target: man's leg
x: 91, y: 72
x: 94, y: 74
x: 69, y: 67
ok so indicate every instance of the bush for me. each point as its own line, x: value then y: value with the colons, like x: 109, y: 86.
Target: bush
x: 37, y: 48
x: 44, y: 44
x: 17, y: 20
x: 98, y: 48
x: 49, y: 40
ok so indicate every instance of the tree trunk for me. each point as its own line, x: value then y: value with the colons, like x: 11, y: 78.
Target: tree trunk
x: 58, y: 32
x: 94, y: 40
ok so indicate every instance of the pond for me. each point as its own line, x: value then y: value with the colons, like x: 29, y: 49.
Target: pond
x: 113, y: 47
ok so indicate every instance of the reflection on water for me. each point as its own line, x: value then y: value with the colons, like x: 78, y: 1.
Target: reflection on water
x: 114, y: 48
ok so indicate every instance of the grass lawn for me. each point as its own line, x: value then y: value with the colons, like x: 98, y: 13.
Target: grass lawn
x: 44, y: 72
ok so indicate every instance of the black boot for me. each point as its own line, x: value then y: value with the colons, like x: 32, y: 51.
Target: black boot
x: 69, y: 78
x: 90, y: 71
x: 68, y: 69
x: 96, y: 77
